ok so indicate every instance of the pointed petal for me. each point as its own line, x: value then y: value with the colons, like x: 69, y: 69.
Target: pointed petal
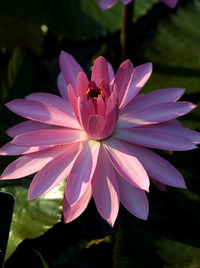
x: 90, y: 108
x: 105, y: 189
x: 112, y: 112
x: 73, y: 100
x: 101, y: 106
x: 122, y: 79
x: 179, y: 130
x: 82, y: 113
x: 70, y: 69
x: 154, y: 137
x: 50, y: 137
x: 53, y: 173
x: 82, y: 85
x: 62, y: 86
x: 126, y: 163
x: 144, y: 101
x: 42, y: 112
x: 157, y: 167
x: 133, y: 199
x: 28, y: 126
x: 139, y: 77
x: 70, y: 213
x: 53, y: 100
x: 96, y: 126
x: 82, y: 171
x: 111, y: 74
x: 156, y: 114
x: 31, y: 163
x: 105, y: 4
x: 100, y: 71
x: 12, y: 149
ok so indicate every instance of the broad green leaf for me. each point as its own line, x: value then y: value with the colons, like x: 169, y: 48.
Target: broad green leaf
x: 32, y: 218
x: 177, y: 254
x: 174, y: 51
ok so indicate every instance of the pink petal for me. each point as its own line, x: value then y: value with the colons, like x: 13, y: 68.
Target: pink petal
x: 156, y: 114
x: 133, y: 199
x: 31, y: 163
x: 157, y: 167
x: 112, y: 112
x: 96, y: 126
x: 50, y: 137
x: 126, y: 163
x: 144, y: 101
x: 70, y: 213
x: 82, y: 171
x: 82, y: 85
x: 62, y: 86
x: 170, y: 3
x: 105, y: 189
x: 139, y: 77
x: 12, y: 149
x: 42, y: 112
x: 100, y: 71
x: 53, y: 173
x: 101, y: 106
x: 111, y: 74
x: 179, y: 130
x: 154, y: 137
x: 122, y: 79
x: 82, y: 113
x: 70, y: 69
x: 105, y: 4
x: 73, y: 100
x: 90, y: 108
x: 28, y: 126
x: 53, y: 100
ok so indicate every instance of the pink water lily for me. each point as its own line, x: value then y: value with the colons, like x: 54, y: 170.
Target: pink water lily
x: 105, y: 4
x: 99, y: 134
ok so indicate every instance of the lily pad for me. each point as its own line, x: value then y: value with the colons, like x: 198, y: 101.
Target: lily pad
x: 32, y: 218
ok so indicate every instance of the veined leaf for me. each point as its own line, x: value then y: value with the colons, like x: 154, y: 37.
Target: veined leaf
x: 32, y: 218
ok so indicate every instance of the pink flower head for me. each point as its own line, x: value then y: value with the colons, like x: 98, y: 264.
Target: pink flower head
x: 99, y: 134
x: 105, y: 4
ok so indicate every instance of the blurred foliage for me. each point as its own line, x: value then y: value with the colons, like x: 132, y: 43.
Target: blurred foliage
x: 88, y: 20
x: 174, y: 51
x: 178, y: 255
x: 29, y: 63
x: 32, y: 218
x: 15, y: 31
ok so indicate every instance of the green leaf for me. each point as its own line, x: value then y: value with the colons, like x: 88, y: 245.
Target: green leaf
x: 178, y: 255
x: 174, y: 51
x: 32, y: 218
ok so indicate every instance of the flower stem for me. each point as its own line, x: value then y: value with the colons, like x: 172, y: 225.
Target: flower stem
x: 126, y: 29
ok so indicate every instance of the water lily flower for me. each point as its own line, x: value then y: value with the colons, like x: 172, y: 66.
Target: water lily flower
x: 99, y: 134
x: 105, y: 4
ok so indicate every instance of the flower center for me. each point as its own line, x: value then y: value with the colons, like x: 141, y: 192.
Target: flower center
x: 94, y: 92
